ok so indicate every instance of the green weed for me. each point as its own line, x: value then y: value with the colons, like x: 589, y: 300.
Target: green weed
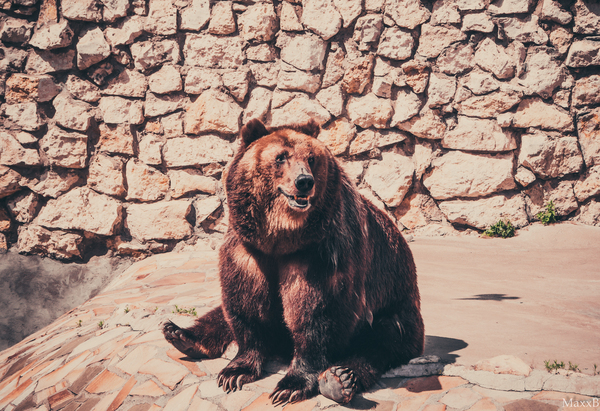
x: 190, y: 311
x: 548, y: 216
x: 501, y: 229
x: 573, y: 367
x: 554, y: 366
x: 101, y: 324
x: 78, y: 324
x: 126, y: 309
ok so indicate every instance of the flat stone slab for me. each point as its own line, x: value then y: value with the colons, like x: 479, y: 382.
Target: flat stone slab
x: 109, y: 352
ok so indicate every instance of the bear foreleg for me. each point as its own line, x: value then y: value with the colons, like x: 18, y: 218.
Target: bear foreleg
x: 207, y: 338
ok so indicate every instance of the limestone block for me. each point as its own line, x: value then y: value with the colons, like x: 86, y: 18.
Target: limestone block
x: 303, y: 51
x: 64, y: 149
x: 144, y: 182
x: 24, y: 87
x: 165, y: 80
x: 53, y: 183
x: 407, y: 13
x: 24, y: 115
x: 369, y: 139
x: 428, y: 124
x: 92, y: 48
x: 534, y: 112
x: 194, y: 152
x: 584, y: 53
x: 474, y: 134
x: 549, y: 155
x: 337, y: 136
x: 190, y: 181
x: 162, y: 18
x: 587, y: 17
x: 106, y: 175
x: 391, y: 177
x: 42, y: 61
x: 321, y: 17
x: 129, y: 83
x: 369, y: 111
x: 207, y: 50
x: 118, y: 110
x: 213, y: 111
x: 258, y: 22
x: 82, y: 89
x: 34, y: 239
x: 396, y: 44
x: 12, y: 153
x: 150, y: 54
x: 9, y: 181
x: 588, y: 132
x: 72, y: 114
x: 299, y: 110
x: 126, y: 32
x: 164, y: 220
x: 434, y: 39
x: 23, y: 206
x: 483, y: 213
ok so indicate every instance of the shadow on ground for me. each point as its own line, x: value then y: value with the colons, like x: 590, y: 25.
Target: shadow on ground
x: 444, y: 347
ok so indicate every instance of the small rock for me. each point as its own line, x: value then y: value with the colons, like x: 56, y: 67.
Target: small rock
x: 64, y: 149
x: 82, y: 89
x: 161, y: 104
x: 588, y: 186
x: 165, y: 80
x: 145, y: 183
x: 190, y: 181
x: 441, y: 89
x: 349, y: 10
x: 162, y: 18
x: 445, y: 12
x: 106, y: 175
x: 367, y: 31
x: 509, y: 6
x: 194, y: 152
x: 114, y: 9
x: 149, y: 54
x: 489, y: 105
x: 222, y: 20
x: 91, y: 48
x: 42, y: 61
x: 25, y: 138
x: 456, y: 59
x: 493, y: 57
x: 289, y: 20
x: 382, y: 86
x: 416, y: 75
x: 534, y: 112
x: 85, y: 10
x: 299, y: 110
x: 172, y: 125
x: 407, y: 13
x: 53, y: 183
x: 588, y: 132
x: 130, y: 83
x: 334, y: 70
x: 258, y: 23
x: 305, y: 52
x: 118, y: 110
x: 23, y: 206
x: 337, y: 136
x: 589, y: 214
x: 525, y: 30
x: 368, y: 140
x: 550, y: 155
x: 26, y: 116
x: 332, y: 99
x: 9, y: 181
x: 406, y: 106
x: 359, y: 76
x: 524, y: 176
x: 258, y: 104
x: 115, y: 139
x: 458, y: 174
x: 126, y: 32
x: 551, y: 10
x: 369, y: 111
x: 213, y: 111
x: 200, y: 79
x: 417, y: 367
x: 71, y: 113
x: 206, y: 50
x: 59, y: 244
x: 587, y: 17
x: 82, y: 209
x: 321, y: 17
x: 587, y: 91
x: 434, y: 39
x: 237, y: 83
x: 396, y: 44
x: 428, y: 124
x: 150, y: 147
x: 474, y: 134
x: 23, y: 87
x: 195, y: 15
x: 11, y: 59
x: 12, y: 153
x: 544, y: 72
x: 15, y: 30
x: 261, y: 52
x: 478, y: 22
x: 480, y: 82
x: 584, y: 53
x: 159, y: 221
x: 391, y: 177
x: 561, y: 38
x: 205, y: 208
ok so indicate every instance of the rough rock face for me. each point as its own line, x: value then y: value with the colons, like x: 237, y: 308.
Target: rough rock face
x: 446, y: 112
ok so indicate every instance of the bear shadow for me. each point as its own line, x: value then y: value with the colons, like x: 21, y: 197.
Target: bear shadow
x: 443, y: 347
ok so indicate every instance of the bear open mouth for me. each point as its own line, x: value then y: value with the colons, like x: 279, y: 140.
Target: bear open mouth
x: 296, y: 201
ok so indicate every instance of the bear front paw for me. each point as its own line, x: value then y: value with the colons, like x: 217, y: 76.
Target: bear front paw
x: 232, y: 377
x: 338, y: 384
x: 183, y: 340
x: 293, y: 388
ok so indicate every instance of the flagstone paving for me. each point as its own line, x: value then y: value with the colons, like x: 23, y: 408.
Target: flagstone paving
x: 109, y: 354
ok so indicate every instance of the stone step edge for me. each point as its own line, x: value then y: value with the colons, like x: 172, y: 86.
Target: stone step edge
x: 537, y: 380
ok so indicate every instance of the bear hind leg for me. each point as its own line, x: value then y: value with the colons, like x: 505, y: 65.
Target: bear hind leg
x: 389, y: 343
x: 207, y: 338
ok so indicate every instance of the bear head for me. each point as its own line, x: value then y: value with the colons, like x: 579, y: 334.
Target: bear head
x: 278, y: 177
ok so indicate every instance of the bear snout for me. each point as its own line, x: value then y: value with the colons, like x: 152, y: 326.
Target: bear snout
x: 304, y: 183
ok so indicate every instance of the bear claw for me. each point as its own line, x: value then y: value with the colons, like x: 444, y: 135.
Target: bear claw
x: 338, y: 384
x: 179, y: 338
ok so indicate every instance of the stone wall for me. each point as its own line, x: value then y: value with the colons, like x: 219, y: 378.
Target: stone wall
x: 118, y: 116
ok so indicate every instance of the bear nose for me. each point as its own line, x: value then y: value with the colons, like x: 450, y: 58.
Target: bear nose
x: 304, y: 182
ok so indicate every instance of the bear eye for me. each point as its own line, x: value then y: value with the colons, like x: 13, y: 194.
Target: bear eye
x: 311, y: 160
x: 280, y: 159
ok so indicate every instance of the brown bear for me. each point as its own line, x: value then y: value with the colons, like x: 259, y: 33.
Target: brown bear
x: 309, y: 269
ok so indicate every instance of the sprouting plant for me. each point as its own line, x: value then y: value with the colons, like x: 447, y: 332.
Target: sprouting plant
x: 596, y: 370
x: 78, y: 324
x: 501, y: 229
x: 573, y: 367
x: 156, y: 308
x: 548, y: 216
x: 127, y: 309
x: 554, y: 366
x: 101, y: 324
x: 190, y: 311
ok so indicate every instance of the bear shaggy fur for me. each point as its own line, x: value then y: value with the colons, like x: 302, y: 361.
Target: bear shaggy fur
x: 310, y: 270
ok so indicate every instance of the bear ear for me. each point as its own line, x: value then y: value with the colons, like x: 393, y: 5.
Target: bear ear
x: 252, y: 131
x: 310, y: 129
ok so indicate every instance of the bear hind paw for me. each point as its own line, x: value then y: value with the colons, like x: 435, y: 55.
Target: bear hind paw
x: 234, y: 378
x: 291, y: 389
x: 183, y: 340
x: 338, y: 384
